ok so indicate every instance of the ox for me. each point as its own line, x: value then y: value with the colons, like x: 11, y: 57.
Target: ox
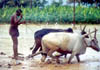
x: 40, y: 33
x: 67, y: 42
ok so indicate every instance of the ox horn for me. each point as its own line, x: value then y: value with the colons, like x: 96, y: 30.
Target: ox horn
x: 95, y: 33
x: 84, y: 28
x: 80, y: 27
x: 89, y: 33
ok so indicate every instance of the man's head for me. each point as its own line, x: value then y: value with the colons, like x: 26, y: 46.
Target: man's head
x: 18, y: 12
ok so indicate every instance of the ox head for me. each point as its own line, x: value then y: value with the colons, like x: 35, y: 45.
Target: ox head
x: 94, y: 42
x: 69, y: 30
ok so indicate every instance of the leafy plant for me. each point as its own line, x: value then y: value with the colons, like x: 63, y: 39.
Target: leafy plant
x: 54, y: 14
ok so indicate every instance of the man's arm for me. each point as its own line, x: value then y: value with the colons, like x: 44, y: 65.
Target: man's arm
x: 23, y: 22
x: 17, y: 20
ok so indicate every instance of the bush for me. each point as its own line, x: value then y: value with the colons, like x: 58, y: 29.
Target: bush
x: 54, y: 14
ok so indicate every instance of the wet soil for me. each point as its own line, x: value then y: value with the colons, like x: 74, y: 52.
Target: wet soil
x: 89, y: 61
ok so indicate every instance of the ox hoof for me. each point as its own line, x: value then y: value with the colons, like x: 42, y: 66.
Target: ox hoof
x: 70, y: 63
x: 42, y: 60
x: 29, y: 56
x: 55, y: 61
x: 58, y: 61
x: 48, y: 61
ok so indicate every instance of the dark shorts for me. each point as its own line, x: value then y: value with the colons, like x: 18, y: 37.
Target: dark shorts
x: 14, y: 32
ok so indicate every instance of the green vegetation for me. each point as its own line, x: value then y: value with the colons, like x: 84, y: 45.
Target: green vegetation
x: 54, y: 14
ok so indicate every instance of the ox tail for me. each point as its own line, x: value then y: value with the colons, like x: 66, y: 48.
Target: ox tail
x: 32, y: 46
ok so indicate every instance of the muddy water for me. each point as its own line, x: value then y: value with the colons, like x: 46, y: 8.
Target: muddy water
x: 89, y: 61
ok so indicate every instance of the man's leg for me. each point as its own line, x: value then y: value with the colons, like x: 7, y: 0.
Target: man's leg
x: 15, y: 47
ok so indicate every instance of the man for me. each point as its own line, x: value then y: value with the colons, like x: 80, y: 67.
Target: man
x: 14, y: 33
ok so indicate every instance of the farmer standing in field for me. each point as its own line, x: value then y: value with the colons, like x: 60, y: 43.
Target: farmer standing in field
x: 14, y: 32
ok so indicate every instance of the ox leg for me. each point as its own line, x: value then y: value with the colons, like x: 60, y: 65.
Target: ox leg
x: 44, y: 55
x: 53, y: 57
x: 36, y: 47
x: 78, y: 59
x: 72, y: 55
x: 50, y: 53
x: 59, y: 55
x: 40, y: 49
x: 65, y: 55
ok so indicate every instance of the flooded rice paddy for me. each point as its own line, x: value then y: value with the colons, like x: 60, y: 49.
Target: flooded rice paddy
x: 89, y: 61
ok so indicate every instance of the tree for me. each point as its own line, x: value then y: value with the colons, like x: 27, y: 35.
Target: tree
x: 91, y: 2
x: 3, y: 3
x: 43, y: 2
x: 74, y: 13
x: 17, y: 3
x: 72, y: 1
x: 39, y: 3
x: 97, y: 3
x: 31, y: 3
x: 59, y: 3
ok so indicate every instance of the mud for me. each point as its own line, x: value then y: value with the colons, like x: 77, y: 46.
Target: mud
x: 89, y: 61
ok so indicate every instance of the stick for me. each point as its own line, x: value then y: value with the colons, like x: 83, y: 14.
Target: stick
x: 35, y: 54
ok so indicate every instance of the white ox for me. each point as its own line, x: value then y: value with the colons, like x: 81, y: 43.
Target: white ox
x: 67, y: 43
